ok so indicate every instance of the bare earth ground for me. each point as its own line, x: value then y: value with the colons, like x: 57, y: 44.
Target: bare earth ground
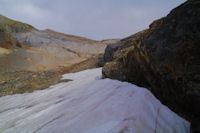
x: 27, y: 81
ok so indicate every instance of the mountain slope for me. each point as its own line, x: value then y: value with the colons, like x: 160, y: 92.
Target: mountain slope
x: 31, y: 59
x: 35, y: 50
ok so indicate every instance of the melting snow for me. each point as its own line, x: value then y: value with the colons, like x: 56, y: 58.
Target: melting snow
x: 88, y: 104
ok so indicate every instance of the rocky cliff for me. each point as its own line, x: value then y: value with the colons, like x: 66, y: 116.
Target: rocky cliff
x: 164, y: 58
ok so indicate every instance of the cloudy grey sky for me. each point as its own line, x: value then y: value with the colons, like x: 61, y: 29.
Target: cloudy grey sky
x: 95, y: 19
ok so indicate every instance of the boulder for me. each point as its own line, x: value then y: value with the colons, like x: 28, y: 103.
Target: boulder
x: 165, y: 59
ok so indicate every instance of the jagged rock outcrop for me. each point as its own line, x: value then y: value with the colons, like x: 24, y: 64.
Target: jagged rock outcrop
x: 166, y: 59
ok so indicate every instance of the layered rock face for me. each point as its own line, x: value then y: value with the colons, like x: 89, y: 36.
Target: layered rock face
x: 166, y: 59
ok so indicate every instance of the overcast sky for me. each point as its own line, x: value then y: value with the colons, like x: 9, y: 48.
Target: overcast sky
x: 95, y: 19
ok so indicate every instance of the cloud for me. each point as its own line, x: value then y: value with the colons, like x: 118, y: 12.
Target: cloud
x: 96, y: 19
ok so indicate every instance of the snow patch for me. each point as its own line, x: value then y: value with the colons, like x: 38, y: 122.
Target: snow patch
x: 88, y: 104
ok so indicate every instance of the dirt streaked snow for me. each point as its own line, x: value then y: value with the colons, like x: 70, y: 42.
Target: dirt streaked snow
x: 88, y: 104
